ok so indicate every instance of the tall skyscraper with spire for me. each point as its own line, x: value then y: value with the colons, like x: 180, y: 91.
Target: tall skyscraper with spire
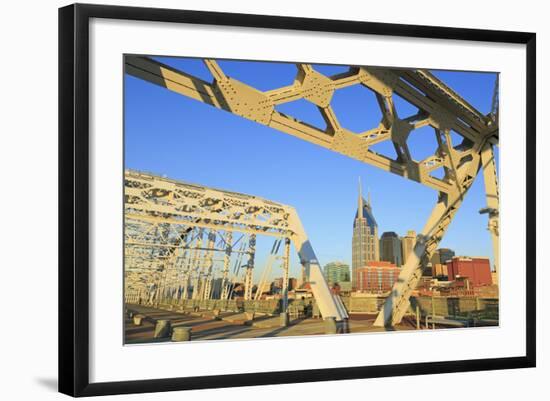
x: 365, y: 243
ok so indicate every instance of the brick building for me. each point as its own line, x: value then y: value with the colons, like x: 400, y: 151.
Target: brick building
x: 376, y: 276
x: 476, y: 269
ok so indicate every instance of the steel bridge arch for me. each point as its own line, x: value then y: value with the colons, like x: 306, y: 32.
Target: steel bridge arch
x: 439, y: 107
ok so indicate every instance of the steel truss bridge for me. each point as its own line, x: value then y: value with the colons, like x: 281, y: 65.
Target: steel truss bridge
x: 152, y: 203
x: 174, y: 231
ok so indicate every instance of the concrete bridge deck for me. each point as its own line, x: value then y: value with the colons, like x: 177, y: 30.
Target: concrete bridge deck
x: 229, y: 325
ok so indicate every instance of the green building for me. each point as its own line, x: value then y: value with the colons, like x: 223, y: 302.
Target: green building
x: 337, y: 272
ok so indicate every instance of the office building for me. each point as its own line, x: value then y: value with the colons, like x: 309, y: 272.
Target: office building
x: 390, y: 248
x: 377, y: 277
x: 442, y: 255
x: 407, y: 244
x: 476, y: 269
x: 336, y: 272
x: 365, y: 243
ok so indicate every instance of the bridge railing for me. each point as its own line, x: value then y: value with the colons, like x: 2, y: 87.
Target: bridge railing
x: 481, y: 308
x: 451, y: 307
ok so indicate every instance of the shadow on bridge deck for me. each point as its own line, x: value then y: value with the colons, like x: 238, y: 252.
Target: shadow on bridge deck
x: 229, y: 325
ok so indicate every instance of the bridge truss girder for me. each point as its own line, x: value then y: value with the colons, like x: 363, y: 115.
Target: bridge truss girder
x: 179, y: 208
x: 439, y: 107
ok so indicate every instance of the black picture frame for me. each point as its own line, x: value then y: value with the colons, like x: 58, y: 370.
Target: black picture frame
x: 74, y: 198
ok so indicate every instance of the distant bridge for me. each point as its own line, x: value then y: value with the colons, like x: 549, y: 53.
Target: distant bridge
x: 167, y: 221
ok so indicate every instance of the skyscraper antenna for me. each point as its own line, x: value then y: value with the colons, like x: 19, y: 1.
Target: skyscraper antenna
x: 368, y: 200
x: 360, y: 201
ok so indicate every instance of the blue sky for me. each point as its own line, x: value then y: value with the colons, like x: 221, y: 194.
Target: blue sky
x: 169, y: 134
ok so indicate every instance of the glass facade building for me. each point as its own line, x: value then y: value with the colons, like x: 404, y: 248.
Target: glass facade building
x: 365, y: 242
x: 337, y: 272
x: 390, y: 248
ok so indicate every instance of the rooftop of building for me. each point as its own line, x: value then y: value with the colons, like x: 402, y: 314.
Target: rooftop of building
x: 469, y: 258
x: 390, y: 234
x: 364, y: 211
x: 378, y: 263
x: 337, y: 263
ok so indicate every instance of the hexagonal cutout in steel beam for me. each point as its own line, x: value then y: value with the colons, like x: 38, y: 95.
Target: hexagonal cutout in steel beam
x: 356, y: 108
x: 263, y: 76
x: 303, y: 111
x: 422, y: 143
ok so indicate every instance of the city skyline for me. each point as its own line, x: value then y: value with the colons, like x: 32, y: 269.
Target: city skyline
x: 320, y: 184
